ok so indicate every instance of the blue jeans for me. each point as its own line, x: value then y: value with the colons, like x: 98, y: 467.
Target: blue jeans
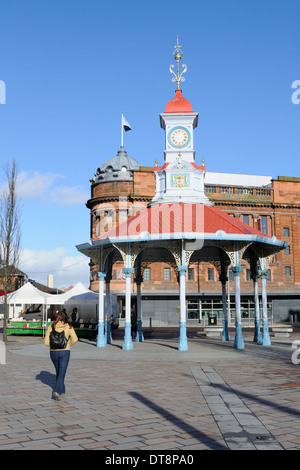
x: 60, y: 360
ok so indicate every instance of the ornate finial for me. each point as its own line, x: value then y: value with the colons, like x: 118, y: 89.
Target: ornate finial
x: 178, y: 77
x: 202, y: 161
x: 156, y: 162
x: 179, y: 155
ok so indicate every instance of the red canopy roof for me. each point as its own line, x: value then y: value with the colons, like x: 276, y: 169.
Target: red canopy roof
x: 180, y: 218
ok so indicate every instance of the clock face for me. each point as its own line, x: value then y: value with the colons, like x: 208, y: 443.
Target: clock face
x: 179, y: 137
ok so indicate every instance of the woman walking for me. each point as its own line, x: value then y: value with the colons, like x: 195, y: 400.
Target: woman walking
x: 60, y: 336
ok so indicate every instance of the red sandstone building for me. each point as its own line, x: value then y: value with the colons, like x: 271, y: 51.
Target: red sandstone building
x: 122, y: 188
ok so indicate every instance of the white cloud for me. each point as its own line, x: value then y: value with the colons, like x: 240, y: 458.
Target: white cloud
x: 68, y: 196
x: 35, y: 185
x: 43, y: 188
x: 67, y: 270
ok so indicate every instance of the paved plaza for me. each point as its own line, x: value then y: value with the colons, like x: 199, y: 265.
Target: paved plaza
x: 154, y: 397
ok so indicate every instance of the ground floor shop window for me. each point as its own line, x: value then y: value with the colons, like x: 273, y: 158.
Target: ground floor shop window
x: 203, y: 309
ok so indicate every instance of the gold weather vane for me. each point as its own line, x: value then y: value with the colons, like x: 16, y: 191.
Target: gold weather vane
x: 178, y: 77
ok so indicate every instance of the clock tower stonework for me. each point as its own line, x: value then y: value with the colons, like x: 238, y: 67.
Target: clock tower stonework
x: 179, y: 122
x: 179, y: 179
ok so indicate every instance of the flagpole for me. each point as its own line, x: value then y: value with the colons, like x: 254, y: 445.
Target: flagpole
x: 122, y: 130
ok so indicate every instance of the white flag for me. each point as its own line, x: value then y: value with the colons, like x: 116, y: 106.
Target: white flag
x: 125, y: 124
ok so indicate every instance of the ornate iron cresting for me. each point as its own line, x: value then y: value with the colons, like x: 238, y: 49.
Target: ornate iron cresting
x: 178, y: 76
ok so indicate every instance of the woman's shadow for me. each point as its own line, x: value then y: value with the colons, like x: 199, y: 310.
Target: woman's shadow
x: 47, y: 378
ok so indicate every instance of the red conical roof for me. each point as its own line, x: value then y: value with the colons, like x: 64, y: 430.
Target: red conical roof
x: 179, y: 104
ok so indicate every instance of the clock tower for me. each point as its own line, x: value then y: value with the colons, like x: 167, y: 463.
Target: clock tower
x: 179, y: 123
x: 179, y: 179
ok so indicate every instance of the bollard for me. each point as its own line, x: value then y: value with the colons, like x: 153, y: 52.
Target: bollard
x: 2, y: 353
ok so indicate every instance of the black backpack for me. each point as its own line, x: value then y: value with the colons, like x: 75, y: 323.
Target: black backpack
x: 58, y: 340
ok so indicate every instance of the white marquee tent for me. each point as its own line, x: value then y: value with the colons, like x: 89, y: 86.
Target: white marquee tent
x: 85, y: 300
x: 79, y: 296
x: 26, y: 295
x: 78, y: 289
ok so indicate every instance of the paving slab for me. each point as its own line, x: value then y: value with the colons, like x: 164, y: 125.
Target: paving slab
x: 153, y: 397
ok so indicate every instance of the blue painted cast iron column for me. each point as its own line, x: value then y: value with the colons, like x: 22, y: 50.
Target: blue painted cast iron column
x: 108, y: 310
x: 183, y: 344
x: 266, y: 341
x: 239, y: 341
x: 139, y: 332
x: 257, y: 333
x: 101, y: 339
x: 225, y: 335
x: 127, y: 343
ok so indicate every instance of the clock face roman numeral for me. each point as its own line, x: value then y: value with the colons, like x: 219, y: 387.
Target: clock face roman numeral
x: 179, y: 137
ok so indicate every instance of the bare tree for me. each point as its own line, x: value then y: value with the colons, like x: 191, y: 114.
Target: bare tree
x: 10, y: 234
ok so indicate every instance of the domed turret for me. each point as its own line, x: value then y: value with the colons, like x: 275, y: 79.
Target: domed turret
x: 117, y: 168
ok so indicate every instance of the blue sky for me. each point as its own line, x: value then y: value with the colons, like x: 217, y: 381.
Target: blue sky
x: 71, y: 67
